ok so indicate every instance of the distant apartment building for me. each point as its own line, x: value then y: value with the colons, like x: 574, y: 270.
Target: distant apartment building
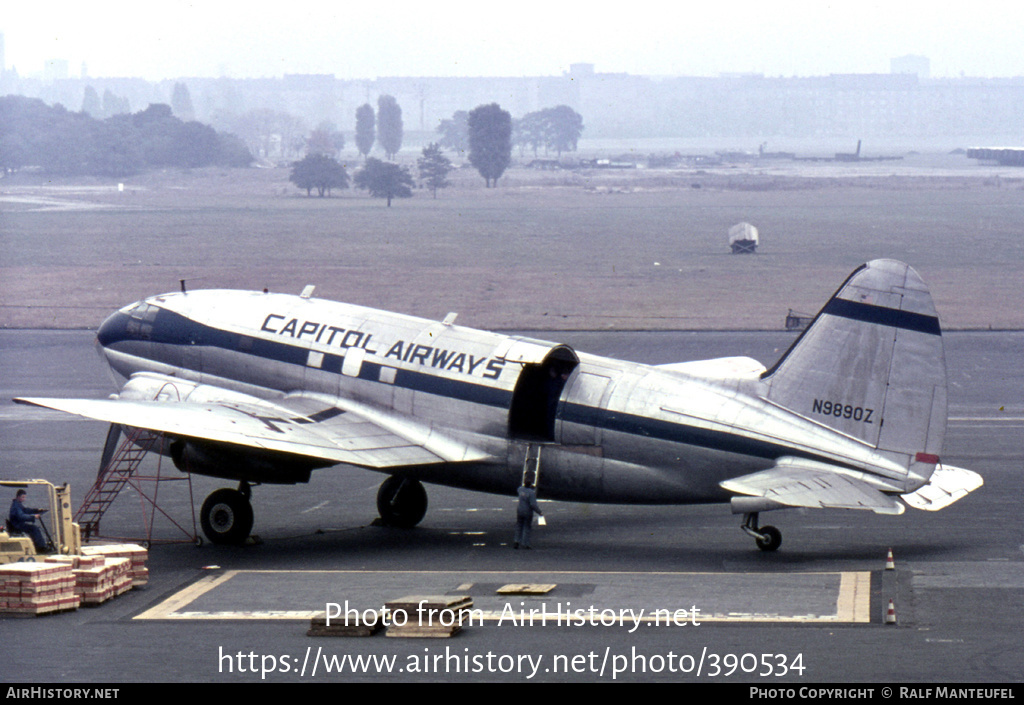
x: 920, y: 66
x: 903, y: 106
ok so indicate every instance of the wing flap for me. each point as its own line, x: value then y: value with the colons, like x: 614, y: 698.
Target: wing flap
x: 331, y: 434
x: 804, y: 483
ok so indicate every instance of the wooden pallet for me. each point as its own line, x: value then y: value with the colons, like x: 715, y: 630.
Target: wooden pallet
x: 346, y: 626
x: 427, y: 616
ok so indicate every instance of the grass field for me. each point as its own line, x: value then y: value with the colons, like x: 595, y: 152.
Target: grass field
x: 545, y: 250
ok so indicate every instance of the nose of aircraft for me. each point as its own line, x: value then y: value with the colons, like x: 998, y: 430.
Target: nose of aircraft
x: 112, y: 330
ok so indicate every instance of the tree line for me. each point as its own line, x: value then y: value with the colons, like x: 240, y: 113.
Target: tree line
x: 322, y: 173
x: 556, y: 129
x: 486, y: 133
x: 60, y: 142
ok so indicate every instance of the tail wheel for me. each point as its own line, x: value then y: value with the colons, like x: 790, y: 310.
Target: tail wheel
x: 401, y: 502
x: 770, y: 540
x: 226, y: 517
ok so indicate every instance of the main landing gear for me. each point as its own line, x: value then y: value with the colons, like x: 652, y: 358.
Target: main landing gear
x: 402, y: 502
x: 227, y: 515
x: 768, y: 538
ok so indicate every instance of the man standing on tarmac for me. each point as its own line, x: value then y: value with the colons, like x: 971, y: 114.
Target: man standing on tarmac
x: 524, y: 513
x: 23, y: 520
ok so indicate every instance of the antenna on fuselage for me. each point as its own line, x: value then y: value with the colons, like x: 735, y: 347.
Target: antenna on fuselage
x: 184, y: 283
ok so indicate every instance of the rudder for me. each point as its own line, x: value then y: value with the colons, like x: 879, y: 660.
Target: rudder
x: 871, y: 363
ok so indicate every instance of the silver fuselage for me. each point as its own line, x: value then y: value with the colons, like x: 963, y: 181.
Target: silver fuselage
x: 611, y: 431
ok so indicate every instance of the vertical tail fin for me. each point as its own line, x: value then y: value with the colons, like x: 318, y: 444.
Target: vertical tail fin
x: 871, y: 364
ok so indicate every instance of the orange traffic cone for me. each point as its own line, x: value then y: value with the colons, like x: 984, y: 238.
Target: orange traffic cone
x: 890, y: 614
x: 889, y: 563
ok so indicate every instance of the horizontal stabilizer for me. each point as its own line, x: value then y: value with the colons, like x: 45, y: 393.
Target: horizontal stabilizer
x: 287, y: 426
x: 946, y: 485
x: 804, y: 483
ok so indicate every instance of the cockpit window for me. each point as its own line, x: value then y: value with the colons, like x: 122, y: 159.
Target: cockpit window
x: 140, y: 322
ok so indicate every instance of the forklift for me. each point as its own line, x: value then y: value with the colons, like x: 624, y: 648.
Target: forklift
x: 63, y: 536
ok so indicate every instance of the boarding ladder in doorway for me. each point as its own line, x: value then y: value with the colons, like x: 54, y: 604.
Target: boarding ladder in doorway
x: 531, y: 464
x: 120, y: 468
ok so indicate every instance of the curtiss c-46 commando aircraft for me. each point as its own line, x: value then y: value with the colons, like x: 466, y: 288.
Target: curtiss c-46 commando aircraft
x: 265, y: 388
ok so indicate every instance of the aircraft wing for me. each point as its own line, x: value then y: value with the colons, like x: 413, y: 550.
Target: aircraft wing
x: 796, y: 482
x: 295, y: 424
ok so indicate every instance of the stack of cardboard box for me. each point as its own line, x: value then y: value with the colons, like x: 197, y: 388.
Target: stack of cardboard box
x: 136, y: 555
x: 104, y: 579
x: 37, y: 588
x: 57, y: 583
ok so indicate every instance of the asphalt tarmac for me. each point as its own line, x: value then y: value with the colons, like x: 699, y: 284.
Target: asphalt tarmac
x: 640, y: 593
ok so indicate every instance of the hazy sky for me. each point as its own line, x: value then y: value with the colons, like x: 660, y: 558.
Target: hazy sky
x: 361, y: 39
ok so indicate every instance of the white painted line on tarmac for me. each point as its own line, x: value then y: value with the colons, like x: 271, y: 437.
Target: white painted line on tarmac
x: 316, y: 507
x: 850, y: 600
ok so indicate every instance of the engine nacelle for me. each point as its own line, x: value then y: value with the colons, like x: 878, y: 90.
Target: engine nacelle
x: 239, y: 463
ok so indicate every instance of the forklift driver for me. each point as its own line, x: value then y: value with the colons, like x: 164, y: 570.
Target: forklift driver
x: 22, y: 519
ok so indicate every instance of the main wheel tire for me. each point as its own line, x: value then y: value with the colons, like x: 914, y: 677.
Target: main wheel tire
x: 772, y: 538
x: 401, y: 502
x: 226, y: 517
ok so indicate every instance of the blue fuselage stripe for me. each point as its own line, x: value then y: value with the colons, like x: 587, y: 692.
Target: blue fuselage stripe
x: 172, y: 329
x: 684, y: 434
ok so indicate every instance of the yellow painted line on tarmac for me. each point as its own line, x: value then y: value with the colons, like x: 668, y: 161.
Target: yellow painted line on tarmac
x: 170, y: 606
x: 852, y: 599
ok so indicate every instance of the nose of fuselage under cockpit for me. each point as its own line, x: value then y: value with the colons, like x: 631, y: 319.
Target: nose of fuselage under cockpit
x: 114, y: 333
x: 113, y: 330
